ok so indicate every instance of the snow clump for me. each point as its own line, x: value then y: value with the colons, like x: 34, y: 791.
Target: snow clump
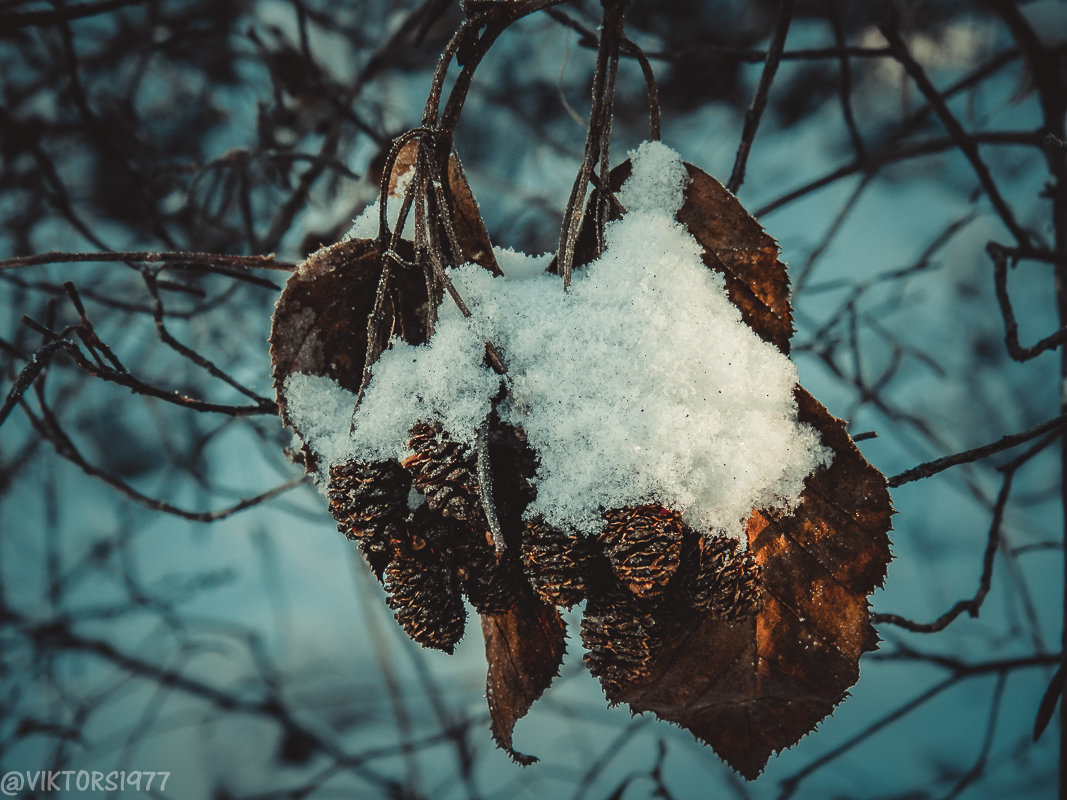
x: 639, y: 384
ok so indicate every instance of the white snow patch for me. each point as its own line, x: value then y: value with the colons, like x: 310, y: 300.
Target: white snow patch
x: 518, y: 266
x: 640, y: 384
x: 657, y: 180
x: 365, y: 226
x: 322, y: 411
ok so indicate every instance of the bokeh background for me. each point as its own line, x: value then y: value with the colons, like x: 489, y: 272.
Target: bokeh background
x: 174, y: 595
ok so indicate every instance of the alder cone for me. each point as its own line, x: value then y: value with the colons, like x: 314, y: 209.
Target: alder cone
x: 492, y: 584
x: 720, y: 577
x: 446, y: 472
x: 644, y: 546
x: 369, y: 502
x: 619, y: 632
x: 555, y: 563
x: 423, y: 587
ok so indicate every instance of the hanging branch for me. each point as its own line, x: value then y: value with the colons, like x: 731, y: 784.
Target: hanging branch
x: 428, y: 192
x: 597, y: 140
x: 759, y: 102
x: 631, y: 49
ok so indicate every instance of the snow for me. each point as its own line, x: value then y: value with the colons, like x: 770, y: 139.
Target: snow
x: 365, y: 226
x: 656, y: 182
x: 639, y: 384
x: 319, y: 408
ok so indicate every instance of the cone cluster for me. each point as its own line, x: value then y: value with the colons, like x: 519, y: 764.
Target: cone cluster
x: 422, y: 526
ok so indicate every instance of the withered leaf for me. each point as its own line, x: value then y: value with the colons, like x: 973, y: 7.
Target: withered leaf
x: 755, y: 685
x: 524, y: 647
x: 320, y: 321
x: 747, y: 256
x: 467, y: 221
x: 750, y: 683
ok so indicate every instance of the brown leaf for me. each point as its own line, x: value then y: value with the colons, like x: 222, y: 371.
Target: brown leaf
x: 320, y: 321
x: 467, y: 221
x: 756, y: 685
x: 752, y: 683
x: 738, y: 247
x: 524, y: 647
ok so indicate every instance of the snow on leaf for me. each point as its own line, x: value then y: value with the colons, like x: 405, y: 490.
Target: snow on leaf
x: 320, y: 322
x: 753, y: 686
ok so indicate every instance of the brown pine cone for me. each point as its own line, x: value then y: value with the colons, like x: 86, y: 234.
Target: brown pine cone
x: 492, y: 583
x: 618, y: 631
x: 370, y: 503
x: 446, y: 472
x: 423, y: 587
x: 644, y: 546
x: 720, y: 579
x: 555, y: 563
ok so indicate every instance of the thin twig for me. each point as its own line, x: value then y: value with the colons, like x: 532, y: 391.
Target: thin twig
x: 930, y: 468
x: 763, y: 90
x: 965, y: 143
x: 1002, y: 259
x: 148, y: 257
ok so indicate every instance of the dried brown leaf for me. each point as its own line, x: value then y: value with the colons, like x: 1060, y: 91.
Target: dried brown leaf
x: 467, y: 221
x: 750, y: 683
x: 524, y: 647
x: 747, y: 256
x: 753, y: 686
x: 320, y: 321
